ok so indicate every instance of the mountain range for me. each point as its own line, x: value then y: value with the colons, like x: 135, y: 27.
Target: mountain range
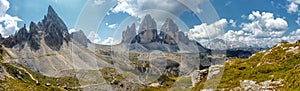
x: 47, y: 57
x: 47, y: 50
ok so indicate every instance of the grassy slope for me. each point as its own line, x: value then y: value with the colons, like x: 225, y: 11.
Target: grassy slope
x: 272, y: 64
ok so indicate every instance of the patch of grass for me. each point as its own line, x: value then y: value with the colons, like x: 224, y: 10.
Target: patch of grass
x: 275, y: 64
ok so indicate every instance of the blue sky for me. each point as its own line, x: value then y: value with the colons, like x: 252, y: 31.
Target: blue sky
x: 225, y: 19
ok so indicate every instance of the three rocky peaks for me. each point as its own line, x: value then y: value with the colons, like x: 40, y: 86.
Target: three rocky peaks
x: 169, y: 39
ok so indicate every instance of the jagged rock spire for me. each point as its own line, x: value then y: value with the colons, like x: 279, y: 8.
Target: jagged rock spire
x: 169, y: 26
x: 51, y: 11
x: 129, y: 34
x: 148, y: 23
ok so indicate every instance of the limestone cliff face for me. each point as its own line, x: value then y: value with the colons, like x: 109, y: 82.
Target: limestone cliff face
x: 147, y: 30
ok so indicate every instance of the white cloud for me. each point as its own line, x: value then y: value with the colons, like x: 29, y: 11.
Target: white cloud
x: 133, y: 7
x: 265, y: 25
x: 112, y: 26
x: 10, y: 23
x: 109, y: 41
x: 293, y: 36
x: 232, y: 22
x: 263, y: 30
x: 4, y: 6
x: 94, y: 37
x: 292, y: 8
x: 207, y: 31
x: 160, y: 9
x: 297, y: 32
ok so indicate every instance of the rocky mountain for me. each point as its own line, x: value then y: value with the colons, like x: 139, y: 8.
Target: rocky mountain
x: 48, y: 48
x: 51, y: 29
x: 46, y: 56
x: 169, y: 39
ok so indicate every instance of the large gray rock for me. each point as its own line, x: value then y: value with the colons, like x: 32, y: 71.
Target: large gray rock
x: 148, y: 23
x: 147, y: 31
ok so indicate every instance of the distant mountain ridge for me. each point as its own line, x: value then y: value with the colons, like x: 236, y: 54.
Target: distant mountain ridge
x: 170, y: 39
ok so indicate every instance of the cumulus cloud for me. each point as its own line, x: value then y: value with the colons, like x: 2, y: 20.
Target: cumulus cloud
x: 9, y: 23
x: 297, y: 32
x: 262, y: 30
x: 232, y: 22
x: 292, y: 8
x: 292, y: 37
x: 265, y: 25
x: 4, y: 6
x: 207, y: 30
x: 133, y: 7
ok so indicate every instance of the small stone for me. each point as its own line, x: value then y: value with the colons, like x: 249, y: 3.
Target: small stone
x: 48, y: 84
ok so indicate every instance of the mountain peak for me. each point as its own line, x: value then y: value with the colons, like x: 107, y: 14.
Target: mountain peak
x: 148, y: 23
x: 51, y: 11
x: 129, y: 34
x: 169, y: 26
